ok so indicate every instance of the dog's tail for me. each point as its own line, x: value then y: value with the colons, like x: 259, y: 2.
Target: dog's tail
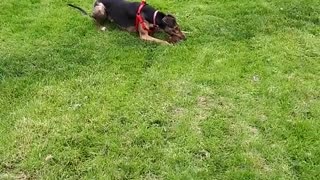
x: 80, y: 9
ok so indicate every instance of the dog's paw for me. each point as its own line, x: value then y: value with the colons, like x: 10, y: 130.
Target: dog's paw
x: 168, y: 43
x: 103, y: 28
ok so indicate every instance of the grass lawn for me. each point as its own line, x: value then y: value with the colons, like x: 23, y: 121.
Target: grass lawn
x: 240, y: 99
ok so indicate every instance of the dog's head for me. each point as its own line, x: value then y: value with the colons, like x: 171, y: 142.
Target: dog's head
x: 171, y: 26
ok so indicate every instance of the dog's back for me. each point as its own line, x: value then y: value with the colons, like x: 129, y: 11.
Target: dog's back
x: 121, y: 12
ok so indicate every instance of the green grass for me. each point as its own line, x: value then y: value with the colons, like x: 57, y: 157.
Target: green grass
x: 240, y: 99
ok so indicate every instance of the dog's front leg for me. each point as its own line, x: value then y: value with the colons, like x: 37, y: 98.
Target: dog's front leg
x: 150, y: 38
x: 145, y: 36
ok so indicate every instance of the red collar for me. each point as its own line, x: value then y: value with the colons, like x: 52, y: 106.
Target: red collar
x: 140, y: 20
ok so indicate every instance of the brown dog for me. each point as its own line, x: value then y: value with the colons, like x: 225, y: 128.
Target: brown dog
x: 136, y: 17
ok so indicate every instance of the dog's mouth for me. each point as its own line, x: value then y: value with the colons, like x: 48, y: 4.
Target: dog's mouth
x: 181, y: 35
x: 176, y: 32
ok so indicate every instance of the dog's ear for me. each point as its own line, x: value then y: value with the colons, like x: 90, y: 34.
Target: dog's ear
x: 170, y: 20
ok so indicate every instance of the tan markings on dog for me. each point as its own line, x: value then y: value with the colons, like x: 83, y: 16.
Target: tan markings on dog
x: 144, y: 35
x: 131, y: 29
x: 100, y: 9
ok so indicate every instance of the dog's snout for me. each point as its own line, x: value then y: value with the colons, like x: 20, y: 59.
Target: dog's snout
x: 181, y: 35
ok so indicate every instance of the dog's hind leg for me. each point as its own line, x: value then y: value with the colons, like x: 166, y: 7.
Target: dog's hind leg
x: 100, y: 15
